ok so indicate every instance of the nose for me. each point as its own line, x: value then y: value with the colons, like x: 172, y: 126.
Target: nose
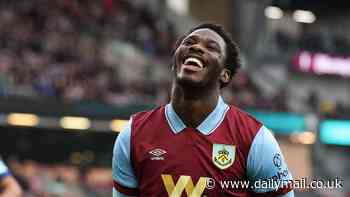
x: 196, y: 48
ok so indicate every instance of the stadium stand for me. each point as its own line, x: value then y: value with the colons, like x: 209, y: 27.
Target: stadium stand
x: 94, y: 51
x: 118, y: 52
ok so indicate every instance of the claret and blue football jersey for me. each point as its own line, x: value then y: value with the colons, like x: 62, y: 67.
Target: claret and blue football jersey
x: 157, y: 155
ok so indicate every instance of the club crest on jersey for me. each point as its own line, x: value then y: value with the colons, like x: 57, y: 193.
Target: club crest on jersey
x: 223, y: 155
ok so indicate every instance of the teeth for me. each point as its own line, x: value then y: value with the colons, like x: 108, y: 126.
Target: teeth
x: 195, y: 60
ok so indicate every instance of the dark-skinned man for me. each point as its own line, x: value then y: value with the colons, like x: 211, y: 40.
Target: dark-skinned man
x: 197, y: 142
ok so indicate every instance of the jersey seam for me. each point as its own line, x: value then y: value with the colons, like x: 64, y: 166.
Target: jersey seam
x: 131, y: 152
x: 251, y: 146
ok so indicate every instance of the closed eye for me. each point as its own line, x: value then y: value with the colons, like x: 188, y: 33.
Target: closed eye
x: 213, y: 46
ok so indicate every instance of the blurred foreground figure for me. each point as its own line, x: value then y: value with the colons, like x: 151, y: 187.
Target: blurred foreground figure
x: 8, y: 185
x: 197, y: 143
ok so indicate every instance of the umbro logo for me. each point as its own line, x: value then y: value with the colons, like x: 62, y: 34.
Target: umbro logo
x: 157, y: 154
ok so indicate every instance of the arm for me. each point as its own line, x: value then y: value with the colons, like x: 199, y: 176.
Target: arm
x: 124, y: 180
x: 8, y: 185
x: 266, y: 162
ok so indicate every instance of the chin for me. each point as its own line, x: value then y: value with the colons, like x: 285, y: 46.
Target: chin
x: 188, y: 82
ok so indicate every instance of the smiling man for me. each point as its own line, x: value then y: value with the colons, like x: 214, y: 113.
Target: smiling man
x: 197, y: 143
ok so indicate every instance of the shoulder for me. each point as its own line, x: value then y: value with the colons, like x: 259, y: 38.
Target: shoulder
x: 244, y: 121
x: 144, y: 116
x: 265, y: 162
x: 243, y: 127
x: 236, y: 112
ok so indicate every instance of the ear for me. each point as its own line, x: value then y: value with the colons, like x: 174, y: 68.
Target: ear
x: 225, y: 76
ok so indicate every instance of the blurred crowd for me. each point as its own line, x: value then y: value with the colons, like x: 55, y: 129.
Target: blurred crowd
x: 314, y: 40
x: 114, y: 51
x: 58, y: 180
x: 243, y: 92
x: 318, y: 40
x: 83, y: 50
x: 73, y: 50
x: 117, y: 52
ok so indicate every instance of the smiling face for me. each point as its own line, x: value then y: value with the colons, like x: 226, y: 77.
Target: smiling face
x: 199, y: 61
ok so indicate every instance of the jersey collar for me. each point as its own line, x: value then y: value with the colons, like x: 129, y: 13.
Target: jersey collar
x: 210, y: 123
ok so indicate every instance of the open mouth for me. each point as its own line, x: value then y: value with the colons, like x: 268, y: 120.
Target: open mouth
x: 192, y: 61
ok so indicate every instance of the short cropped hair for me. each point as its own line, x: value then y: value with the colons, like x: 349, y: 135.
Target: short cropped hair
x: 233, y: 60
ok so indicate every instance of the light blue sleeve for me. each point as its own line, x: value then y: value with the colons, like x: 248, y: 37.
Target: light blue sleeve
x: 289, y: 194
x: 266, y: 167
x: 4, y: 171
x: 122, y: 169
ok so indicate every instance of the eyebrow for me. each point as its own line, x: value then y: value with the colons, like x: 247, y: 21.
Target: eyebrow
x: 209, y: 40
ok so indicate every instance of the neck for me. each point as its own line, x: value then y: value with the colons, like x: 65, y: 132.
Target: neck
x: 193, y: 105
